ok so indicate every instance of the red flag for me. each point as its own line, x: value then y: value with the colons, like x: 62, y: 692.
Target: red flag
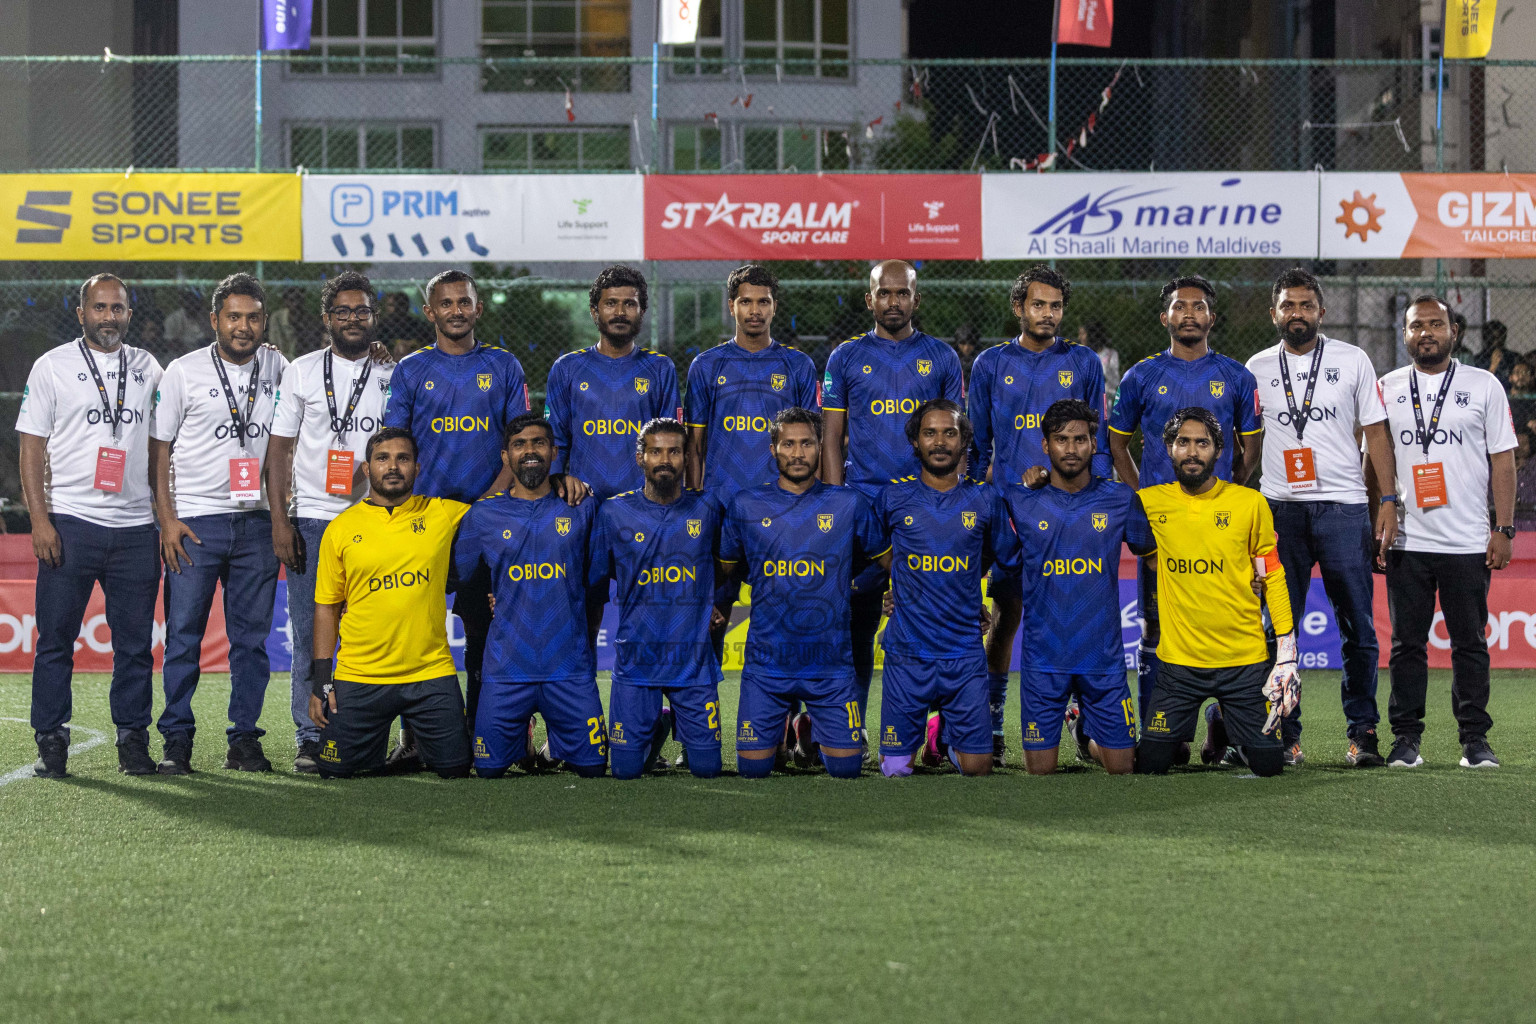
x: 1086, y: 22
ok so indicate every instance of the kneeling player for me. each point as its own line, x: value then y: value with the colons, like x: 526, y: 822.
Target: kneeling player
x: 798, y: 538
x: 944, y: 531
x: 1070, y: 531
x: 537, y: 657
x: 1210, y: 535
x: 379, y: 584
x: 659, y: 544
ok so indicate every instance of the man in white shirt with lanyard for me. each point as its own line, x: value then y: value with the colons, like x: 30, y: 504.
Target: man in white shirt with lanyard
x: 1452, y: 437
x: 84, y: 428
x: 330, y: 403
x: 1317, y: 394
x: 216, y: 405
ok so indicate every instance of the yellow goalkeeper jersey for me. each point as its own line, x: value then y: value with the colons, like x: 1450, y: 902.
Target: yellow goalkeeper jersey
x: 1206, y: 546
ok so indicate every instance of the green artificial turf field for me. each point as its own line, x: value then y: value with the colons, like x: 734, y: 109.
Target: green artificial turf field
x: 1327, y: 894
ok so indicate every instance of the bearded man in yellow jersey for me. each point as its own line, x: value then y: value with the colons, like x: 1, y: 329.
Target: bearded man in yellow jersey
x: 1212, y: 538
x: 380, y: 587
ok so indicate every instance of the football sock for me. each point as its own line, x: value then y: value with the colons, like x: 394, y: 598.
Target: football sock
x: 753, y: 767
x: 704, y: 762
x: 842, y: 767
x: 997, y: 697
x: 895, y: 767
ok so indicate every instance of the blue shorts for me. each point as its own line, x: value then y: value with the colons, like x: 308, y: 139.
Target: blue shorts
x: 765, y: 703
x: 635, y: 710
x: 912, y: 686
x: 1109, y: 713
x: 573, y: 718
x: 1002, y: 585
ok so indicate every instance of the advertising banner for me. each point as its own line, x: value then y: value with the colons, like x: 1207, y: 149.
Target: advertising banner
x: 149, y: 217
x: 812, y: 216
x: 394, y: 218
x: 1388, y: 216
x: 1149, y: 216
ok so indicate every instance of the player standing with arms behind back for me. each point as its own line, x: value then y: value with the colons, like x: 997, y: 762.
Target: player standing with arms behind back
x: 1211, y: 537
x: 872, y: 385
x: 1012, y: 386
x: 734, y: 391
x: 1185, y: 374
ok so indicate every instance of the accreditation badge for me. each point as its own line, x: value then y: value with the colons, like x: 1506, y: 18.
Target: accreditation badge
x: 1300, y: 470
x: 110, y: 464
x: 338, y: 471
x: 245, y: 479
x: 1429, y: 485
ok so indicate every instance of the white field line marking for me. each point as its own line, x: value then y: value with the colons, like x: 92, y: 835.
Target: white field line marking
x: 25, y: 772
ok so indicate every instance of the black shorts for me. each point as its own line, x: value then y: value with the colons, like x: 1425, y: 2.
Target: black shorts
x: 1174, y: 709
x: 358, y: 734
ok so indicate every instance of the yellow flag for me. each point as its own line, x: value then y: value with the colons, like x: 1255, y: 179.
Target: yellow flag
x: 1468, y: 28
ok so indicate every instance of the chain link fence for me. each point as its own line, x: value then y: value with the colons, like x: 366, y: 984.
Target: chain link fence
x: 412, y: 111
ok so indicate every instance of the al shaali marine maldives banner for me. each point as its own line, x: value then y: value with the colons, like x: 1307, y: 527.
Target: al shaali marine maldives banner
x: 394, y: 218
x: 1146, y: 215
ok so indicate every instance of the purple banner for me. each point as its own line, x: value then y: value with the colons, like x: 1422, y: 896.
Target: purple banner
x: 285, y: 24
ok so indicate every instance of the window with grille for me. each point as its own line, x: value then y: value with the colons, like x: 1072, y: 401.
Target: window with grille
x: 372, y: 37
x: 554, y: 28
x: 368, y: 145
x: 530, y: 148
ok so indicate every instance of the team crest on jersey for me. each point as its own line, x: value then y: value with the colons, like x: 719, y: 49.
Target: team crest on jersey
x: 1101, y: 521
x: 562, y: 526
x: 925, y: 366
x: 1065, y: 376
x: 824, y: 522
x: 418, y: 524
x: 138, y: 376
x: 777, y: 381
x: 1218, y: 388
x: 1223, y: 520
x: 695, y: 527
x: 1463, y: 397
x: 968, y: 520
x: 1331, y: 373
x: 484, y: 380
x: 642, y: 385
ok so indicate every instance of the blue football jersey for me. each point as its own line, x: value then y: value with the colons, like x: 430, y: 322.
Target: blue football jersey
x: 1070, y: 564
x: 663, y: 559
x: 456, y: 408
x: 1012, y: 387
x: 597, y: 406
x: 1159, y: 386
x: 536, y: 553
x: 941, y: 544
x: 879, y: 384
x: 799, y: 551
x: 734, y: 395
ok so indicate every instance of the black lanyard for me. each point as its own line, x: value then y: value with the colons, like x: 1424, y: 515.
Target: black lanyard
x: 114, y: 422
x: 1299, y: 416
x: 340, y: 425
x: 1426, y: 436
x: 229, y: 393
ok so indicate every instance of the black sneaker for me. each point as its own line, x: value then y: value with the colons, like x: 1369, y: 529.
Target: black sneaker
x: 999, y: 752
x: 52, y: 755
x: 405, y: 757
x: 805, y: 749
x: 133, y: 755
x: 245, y: 755
x: 1476, y: 753
x: 1405, y: 753
x: 1363, y: 752
x: 307, y: 761
x: 1079, y: 736
x: 177, y: 758
x: 1214, y: 749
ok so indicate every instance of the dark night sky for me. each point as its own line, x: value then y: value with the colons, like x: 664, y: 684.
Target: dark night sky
x: 1015, y: 28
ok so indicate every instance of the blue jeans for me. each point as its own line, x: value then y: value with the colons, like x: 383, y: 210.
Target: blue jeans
x: 126, y: 561
x: 236, y: 550
x: 301, y: 626
x: 1336, y: 537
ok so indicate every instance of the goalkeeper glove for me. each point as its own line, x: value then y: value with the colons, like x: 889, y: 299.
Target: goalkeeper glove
x: 1283, y: 690
x: 320, y: 677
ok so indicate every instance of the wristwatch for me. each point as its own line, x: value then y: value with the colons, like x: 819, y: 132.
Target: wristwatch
x: 1388, y: 497
x: 1508, y: 531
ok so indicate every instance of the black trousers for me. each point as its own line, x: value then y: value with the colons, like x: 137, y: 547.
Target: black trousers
x: 358, y: 733
x: 1461, y: 581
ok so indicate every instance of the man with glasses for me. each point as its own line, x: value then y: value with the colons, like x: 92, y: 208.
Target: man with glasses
x: 330, y: 403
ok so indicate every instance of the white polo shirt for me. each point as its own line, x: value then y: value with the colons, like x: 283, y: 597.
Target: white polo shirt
x: 63, y: 404
x: 1474, y: 423
x: 1343, y: 399
x: 303, y: 412
x: 191, y: 411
